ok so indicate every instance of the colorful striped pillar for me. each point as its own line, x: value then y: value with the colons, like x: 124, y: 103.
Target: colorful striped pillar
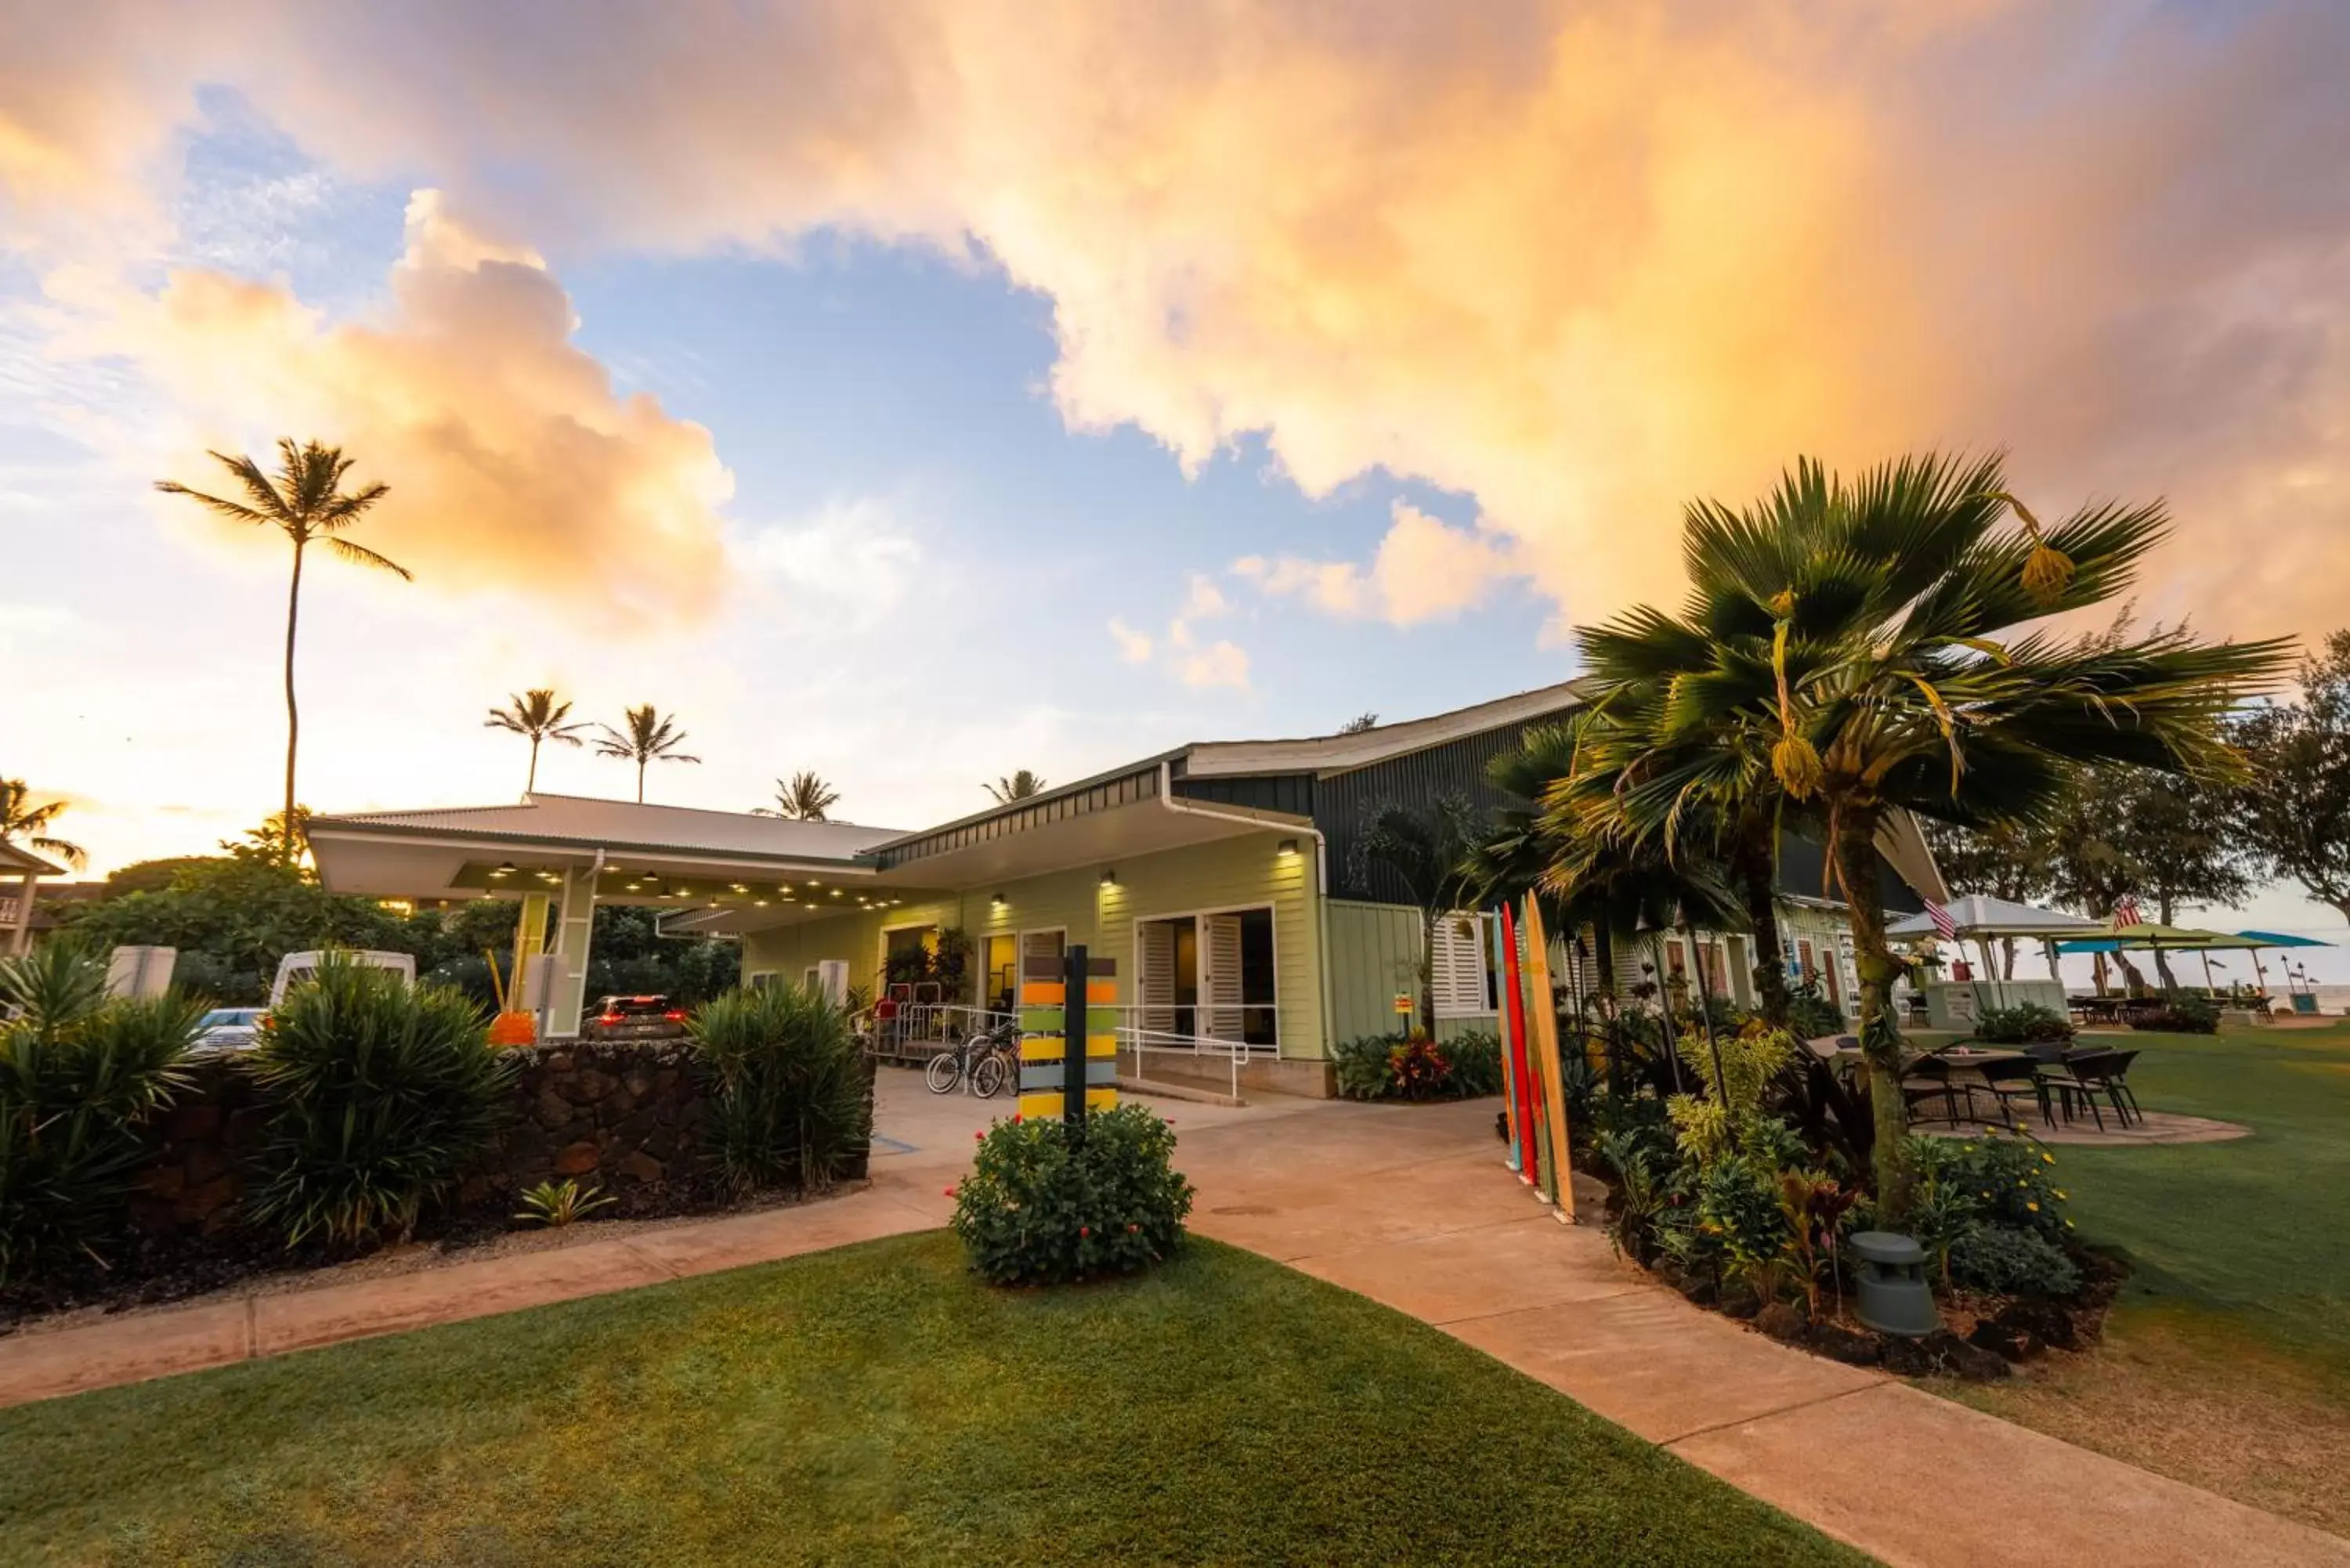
x: 1050, y: 1011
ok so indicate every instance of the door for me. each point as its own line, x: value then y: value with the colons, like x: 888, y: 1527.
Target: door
x: 1222, y: 996
x: 1001, y: 963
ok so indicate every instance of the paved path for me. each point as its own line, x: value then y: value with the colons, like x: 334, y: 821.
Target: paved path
x: 1410, y: 1207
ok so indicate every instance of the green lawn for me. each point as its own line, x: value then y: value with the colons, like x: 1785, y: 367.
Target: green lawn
x: 2226, y: 1361
x: 2253, y: 1230
x: 875, y: 1405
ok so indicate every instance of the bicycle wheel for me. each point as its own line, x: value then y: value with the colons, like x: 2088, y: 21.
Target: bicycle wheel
x: 990, y: 1076
x: 944, y: 1070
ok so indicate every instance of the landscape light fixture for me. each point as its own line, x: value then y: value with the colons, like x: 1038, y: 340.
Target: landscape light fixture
x: 998, y: 902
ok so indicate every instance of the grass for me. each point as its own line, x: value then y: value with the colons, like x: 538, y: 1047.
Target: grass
x: 2227, y: 1359
x: 876, y: 1405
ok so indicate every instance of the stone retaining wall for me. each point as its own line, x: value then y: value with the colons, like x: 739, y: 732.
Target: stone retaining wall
x: 628, y: 1117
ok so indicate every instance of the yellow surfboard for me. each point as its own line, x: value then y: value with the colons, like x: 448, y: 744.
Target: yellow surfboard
x: 1541, y: 1040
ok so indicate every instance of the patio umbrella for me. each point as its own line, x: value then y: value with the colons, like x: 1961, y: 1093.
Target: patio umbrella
x: 2279, y: 940
x: 2149, y: 937
x: 1981, y: 917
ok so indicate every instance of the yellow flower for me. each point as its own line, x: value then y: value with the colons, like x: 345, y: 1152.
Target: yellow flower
x: 2068, y: 1224
x: 2045, y: 1156
x: 2034, y: 1206
x: 2059, y: 1191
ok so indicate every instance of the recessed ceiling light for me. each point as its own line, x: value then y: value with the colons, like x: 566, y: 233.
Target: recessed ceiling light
x: 634, y: 887
x: 740, y: 889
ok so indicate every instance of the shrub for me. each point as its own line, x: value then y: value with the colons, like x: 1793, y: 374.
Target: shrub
x: 1707, y: 1127
x: 1738, y: 1203
x: 2180, y: 1014
x: 790, y: 1088
x: 2024, y: 1024
x: 1361, y: 1065
x: 378, y: 1095
x: 1476, y: 1058
x: 1418, y: 1069
x: 2011, y: 1180
x: 2012, y: 1263
x: 555, y: 1204
x: 1811, y: 1016
x: 1045, y: 1205
x: 78, y: 1076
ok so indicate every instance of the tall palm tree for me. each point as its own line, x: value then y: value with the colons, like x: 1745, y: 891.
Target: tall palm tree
x: 1877, y: 632
x: 305, y: 501
x: 1428, y: 850
x: 536, y: 714
x: 1019, y: 786
x: 650, y: 737
x: 805, y: 797
x: 23, y: 822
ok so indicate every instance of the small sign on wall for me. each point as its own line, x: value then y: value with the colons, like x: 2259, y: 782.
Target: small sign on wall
x: 1403, y: 1004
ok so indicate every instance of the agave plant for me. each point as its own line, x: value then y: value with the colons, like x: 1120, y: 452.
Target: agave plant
x: 79, y: 1074
x: 378, y: 1096
x: 555, y: 1204
x: 791, y: 1098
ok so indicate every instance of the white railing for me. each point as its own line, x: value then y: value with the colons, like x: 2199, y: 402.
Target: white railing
x: 922, y: 1028
x: 1138, y: 1039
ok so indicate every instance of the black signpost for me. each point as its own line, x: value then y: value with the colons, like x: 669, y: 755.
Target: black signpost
x: 1074, y: 1039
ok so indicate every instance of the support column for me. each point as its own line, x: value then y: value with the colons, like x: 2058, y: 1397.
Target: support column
x: 576, y: 925
x: 529, y: 942
x: 20, y: 936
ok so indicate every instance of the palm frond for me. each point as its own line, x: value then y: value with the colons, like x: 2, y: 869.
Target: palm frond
x: 360, y: 556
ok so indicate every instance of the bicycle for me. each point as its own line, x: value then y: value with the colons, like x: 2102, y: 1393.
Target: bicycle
x: 985, y: 1061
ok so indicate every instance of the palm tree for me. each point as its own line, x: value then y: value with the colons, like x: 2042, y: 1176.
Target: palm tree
x: 22, y: 821
x: 1873, y: 631
x: 535, y: 714
x: 650, y: 737
x: 1019, y: 786
x: 305, y: 501
x: 806, y: 797
x: 1358, y: 724
x: 1430, y: 851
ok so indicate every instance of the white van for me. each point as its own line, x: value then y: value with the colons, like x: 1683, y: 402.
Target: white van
x: 296, y: 968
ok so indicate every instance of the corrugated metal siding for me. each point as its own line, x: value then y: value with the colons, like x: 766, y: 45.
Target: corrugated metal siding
x: 1375, y: 952
x: 1246, y: 872
x: 1291, y: 792
x: 1344, y: 803
x: 1107, y: 795
x: 1802, y: 861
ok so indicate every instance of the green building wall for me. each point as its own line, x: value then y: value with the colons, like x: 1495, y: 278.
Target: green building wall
x: 1247, y: 871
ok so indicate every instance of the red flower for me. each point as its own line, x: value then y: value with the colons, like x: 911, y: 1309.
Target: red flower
x: 979, y: 1137
x: 1085, y: 1230
x: 950, y: 1192
x: 1131, y: 1228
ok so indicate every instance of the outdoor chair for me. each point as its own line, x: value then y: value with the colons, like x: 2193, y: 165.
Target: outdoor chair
x: 2009, y: 1081
x: 2088, y: 1073
x: 1930, y: 1079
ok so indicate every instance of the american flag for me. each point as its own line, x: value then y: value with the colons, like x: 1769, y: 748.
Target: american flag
x: 2125, y: 911
x: 1944, y: 927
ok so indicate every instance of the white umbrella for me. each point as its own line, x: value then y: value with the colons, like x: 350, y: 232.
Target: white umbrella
x: 1981, y: 917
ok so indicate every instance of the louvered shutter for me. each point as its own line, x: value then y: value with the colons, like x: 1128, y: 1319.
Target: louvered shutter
x: 1220, y: 977
x: 1458, y: 982
x: 1155, y: 992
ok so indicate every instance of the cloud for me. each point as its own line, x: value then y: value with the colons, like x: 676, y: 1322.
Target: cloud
x: 1220, y: 663
x: 1581, y: 263
x: 1133, y: 647
x: 512, y: 463
x: 1423, y: 570
x: 853, y: 559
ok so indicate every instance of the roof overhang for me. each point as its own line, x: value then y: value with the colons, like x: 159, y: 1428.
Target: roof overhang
x: 16, y: 861
x: 1326, y: 754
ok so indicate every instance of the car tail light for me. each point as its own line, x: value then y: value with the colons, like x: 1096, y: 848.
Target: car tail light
x: 608, y: 1018
x: 674, y: 1015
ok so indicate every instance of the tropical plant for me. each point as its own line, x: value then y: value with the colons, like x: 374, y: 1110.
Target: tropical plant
x: 1427, y: 850
x: 2180, y: 1013
x: 2296, y: 805
x: 1856, y: 647
x: 806, y: 797
x: 792, y: 1091
x: 1640, y: 1192
x: 2012, y: 1263
x: 1360, y: 1065
x: 377, y: 1096
x: 1738, y: 1205
x: 650, y: 737
x: 1018, y: 786
x: 1817, y: 1209
x: 79, y: 1074
x: 555, y: 1204
x: 22, y: 822
x: 2011, y: 1179
x: 1417, y: 1068
x: 536, y: 716
x: 1046, y: 1203
x: 1735, y: 1071
x: 306, y: 503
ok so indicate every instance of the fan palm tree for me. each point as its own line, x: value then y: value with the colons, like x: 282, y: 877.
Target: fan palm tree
x: 1019, y: 786
x: 650, y: 737
x: 22, y: 822
x: 536, y: 714
x: 1860, y: 648
x: 805, y: 797
x: 306, y: 503
x: 1430, y: 851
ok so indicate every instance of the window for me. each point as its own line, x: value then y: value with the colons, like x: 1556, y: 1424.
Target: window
x: 1457, y: 981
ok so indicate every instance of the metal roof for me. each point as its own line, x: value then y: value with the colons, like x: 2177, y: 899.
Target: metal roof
x: 623, y: 825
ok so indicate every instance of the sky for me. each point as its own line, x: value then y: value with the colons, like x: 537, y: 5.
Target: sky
x: 916, y: 393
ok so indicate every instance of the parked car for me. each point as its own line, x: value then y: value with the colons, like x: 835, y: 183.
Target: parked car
x: 634, y: 1018
x: 296, y: 968
x: 229, y: 1028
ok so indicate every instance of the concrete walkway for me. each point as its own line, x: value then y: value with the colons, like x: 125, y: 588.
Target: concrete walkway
x: 1410, y: 1207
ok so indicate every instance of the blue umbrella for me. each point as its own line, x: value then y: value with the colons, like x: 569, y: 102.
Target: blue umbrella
x: 2284, y: 940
